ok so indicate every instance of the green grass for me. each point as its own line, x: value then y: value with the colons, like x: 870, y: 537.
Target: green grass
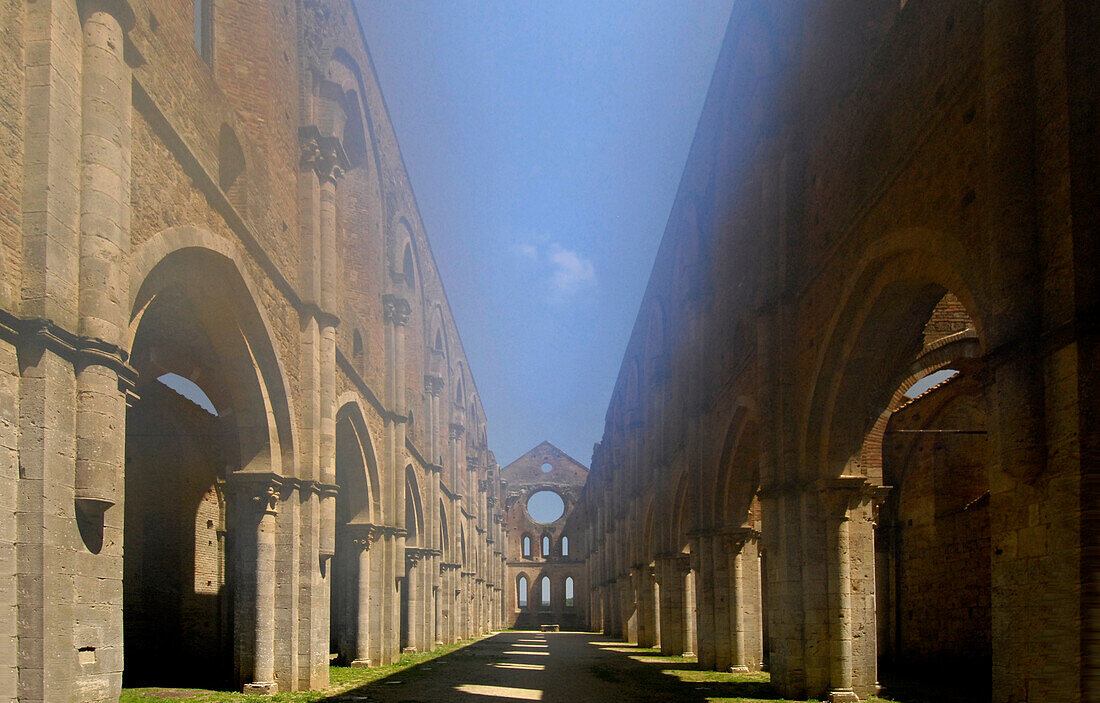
x: 341, y: 680
x: 672, y: 672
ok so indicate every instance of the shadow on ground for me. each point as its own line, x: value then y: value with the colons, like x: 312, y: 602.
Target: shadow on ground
x: 553, y: 668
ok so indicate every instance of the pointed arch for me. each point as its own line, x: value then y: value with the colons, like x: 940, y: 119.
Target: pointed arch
x: 875, y: 333
x: 736, y: 478
x: 444, y: 533
x: 414, y: 508
x: 357, y: 463
x: 189, y: 271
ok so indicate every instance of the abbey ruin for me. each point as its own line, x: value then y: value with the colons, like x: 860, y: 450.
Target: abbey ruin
x: 239, y: 437
x: 875, y: 192
x: 176, y: 203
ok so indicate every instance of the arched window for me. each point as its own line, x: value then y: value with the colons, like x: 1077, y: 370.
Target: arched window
x: 569, y: 592
x: 204, y: 24
x: 357, y: 350
x: 407, y: 267
x: 545, y: 595
x: 565, y: 546
x: 526, y: 546
x: 545, y: 546
x: 521, y: 591
x: 438, y: 340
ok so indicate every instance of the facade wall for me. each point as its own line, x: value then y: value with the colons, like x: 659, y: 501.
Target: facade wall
x: 859, y: 177
x: 237, y: 216
x: 523, y: 478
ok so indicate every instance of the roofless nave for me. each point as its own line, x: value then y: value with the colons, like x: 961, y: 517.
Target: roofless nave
x: 874, y: 193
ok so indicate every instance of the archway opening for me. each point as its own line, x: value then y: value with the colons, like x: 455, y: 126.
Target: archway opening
x: 210, y: 409
x: 356, y: 475
x: 933, y: 550
x: 908, y: 412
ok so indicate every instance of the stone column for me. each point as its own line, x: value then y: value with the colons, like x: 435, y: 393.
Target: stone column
x: 724, y: 606
x: 104, y: 239
x: 741, y: 585
x: 703, y: 563
x: 633, y: 628
x: 363, y: 635
x: 837, y: 496
x: 412, y: 606
x: 671, y: 605
x: 656, y: 609
x: 687, y: 580
x: 264, y: 495
x: 646, y: 605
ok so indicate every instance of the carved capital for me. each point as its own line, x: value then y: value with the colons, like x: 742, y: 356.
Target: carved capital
x: 839, y: 495
x: 433, y: 385
x: 396, y: 310
x: 736, y: 538
x: 366, y: 538
x: 457, y: 430
x: 323, y: 154
x: 262, y: 490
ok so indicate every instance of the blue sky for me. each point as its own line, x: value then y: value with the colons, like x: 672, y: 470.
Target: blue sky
x: 545, y: 142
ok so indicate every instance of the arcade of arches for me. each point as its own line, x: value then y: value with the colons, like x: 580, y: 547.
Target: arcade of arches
x: 854, y: 434
x: 853, y: 438
x: 238, y: 429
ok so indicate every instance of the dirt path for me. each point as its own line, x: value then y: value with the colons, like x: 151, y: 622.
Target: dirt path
x: 533, y: 666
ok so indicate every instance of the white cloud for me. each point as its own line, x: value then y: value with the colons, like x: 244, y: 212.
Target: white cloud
x: 527, y: 251
x: 567, y: 272
x: 572, y: 272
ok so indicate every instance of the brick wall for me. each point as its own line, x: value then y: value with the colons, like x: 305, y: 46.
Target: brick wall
x: 176, y: 625
x: 939, y: 519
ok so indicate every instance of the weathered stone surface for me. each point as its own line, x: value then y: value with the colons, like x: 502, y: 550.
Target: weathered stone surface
x: 236, y: 214
x: 875, y: 191
x: 544, y: 468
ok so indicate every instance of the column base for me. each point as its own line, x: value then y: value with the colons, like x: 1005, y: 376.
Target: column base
x: 688, y: 654
x: 261, y: 688
x: 739, y: 669
x: 361, y: 663
x: 843, y: 697
x: 409, y: 650
x: 438, y: 643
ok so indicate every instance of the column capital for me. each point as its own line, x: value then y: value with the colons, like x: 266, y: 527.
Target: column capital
x: 735, y: 538
x: 364, y: 536
x: 457, y: 430
x: 433, y: 385
x: 396, y: 310
x: 324, y: 154
x: 262, y: 489
x: 840, y: 494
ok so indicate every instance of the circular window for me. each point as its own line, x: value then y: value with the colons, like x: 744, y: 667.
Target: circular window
x: 545, y: 506
x: 546, y: 468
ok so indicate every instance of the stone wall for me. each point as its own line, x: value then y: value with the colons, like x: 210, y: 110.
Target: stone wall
x: 873, y: 193
x: 235, y: 214
x: 523, y: 478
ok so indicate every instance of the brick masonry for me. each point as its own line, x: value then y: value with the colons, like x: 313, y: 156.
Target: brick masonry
x: 237, y: 216
x: 875, y: 191
x: 523, y: 478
